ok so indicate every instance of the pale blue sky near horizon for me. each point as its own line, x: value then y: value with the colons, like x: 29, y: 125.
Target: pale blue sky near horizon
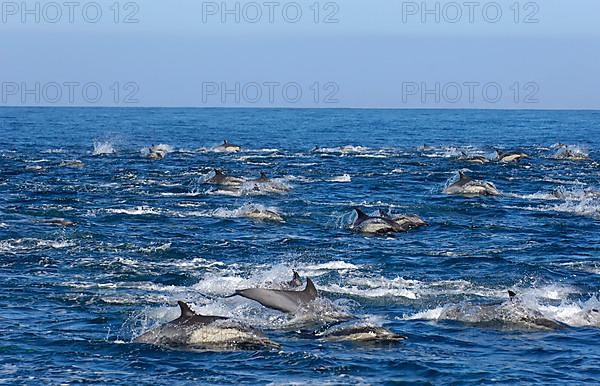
x: 379, y: 54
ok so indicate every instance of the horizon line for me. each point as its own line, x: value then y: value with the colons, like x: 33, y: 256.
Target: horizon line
x: 591, y: 109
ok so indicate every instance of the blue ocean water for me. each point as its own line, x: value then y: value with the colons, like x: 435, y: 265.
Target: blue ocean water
x: 149, y: 233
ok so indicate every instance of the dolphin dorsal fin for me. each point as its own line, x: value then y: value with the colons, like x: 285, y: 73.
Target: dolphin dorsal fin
x: 462, y: 176
x: 225, y: 142
x: 384, y: 214
x: 219, y: 172
x: 310, y: 288
x: 512, y: 294
x: 186, y: 311
x: 296, y: 280
x: 361, y: 215
x: 263, y: 175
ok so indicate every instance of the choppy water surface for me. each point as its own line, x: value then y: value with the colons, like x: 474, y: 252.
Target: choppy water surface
x: 148, y: 233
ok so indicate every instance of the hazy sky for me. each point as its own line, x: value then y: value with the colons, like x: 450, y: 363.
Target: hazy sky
x: 346, y: 53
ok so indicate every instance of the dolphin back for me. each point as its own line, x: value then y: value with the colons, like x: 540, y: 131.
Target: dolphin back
x: 284, y: 301
x: 281, y: 300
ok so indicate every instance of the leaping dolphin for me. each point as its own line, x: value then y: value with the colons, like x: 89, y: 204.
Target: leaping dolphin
x: 267, y: 185
x: 476, y: 159
x: 376, y: 224
x: 228, y: 147
x: 287, y: 301
x: 570, y: 153
x: 470, y: 187
x: 513, y: 156
x: 157, y: 152
x: 204, y: 332
x: 410, y: 221
x: 220, y: 178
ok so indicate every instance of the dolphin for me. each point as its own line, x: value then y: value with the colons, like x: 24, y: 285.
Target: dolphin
x: 470, y: 187
x: 260, y: 214
x: 266, y: 185
x: 263, y: 178
x: 195, y: 331
x: 58, y: 222
x: 592, y: 317
x: 562, y: 194
x: 513, y: 156
x: 511, y: 313
x: 476, y: 159
x: 72, y: 163
x: 287, y: 301
x: 157, y: 152
x: 228, y: 147
x: 295, y: 282
x: 221, y: 178
x: 360, y: 334
x: 532, y: 317
x: 409, y: 220
x: 376, y: 224
x: 155, y: 155
x: 570, y: 153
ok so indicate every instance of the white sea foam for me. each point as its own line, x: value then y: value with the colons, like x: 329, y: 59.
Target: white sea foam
x: 253, y: 211
x: 252, y: 188
x: 586, y: 207
x: 591, y: 267
x: 574, y: 313
x: 570, y: 152
x: 54, y: 151
x: 103, y: 148
x: 371, y: 292
x: 182, y: 194
x: 341, y: 179
x: 581, y: 202
x: 137, y: 211
x: 298, y: 178
x: 156, y: 248
x: 162, y: 147
x: 190, y: 204
x: 342, y: 149
x: 381, y: 287
x: 536, y: 196
x: 533, y: 302
x: 303, y: 164
x: 31, y: 244
x: 330, y: 266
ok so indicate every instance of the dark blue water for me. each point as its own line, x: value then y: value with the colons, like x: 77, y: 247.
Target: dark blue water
x: 149, y: 233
